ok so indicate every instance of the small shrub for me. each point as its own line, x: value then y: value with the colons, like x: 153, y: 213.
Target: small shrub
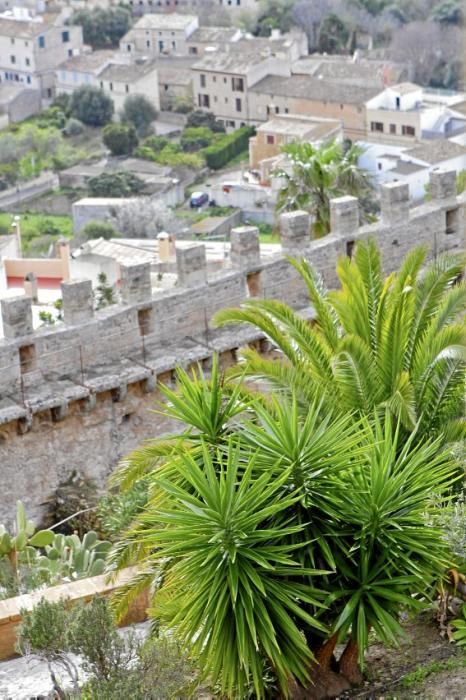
x: 104, y: 294
x: 98, y: 229
x: 200, y: 118
x: 182, y: 105
x: 120, y: 139
x: 194, y: 138
x: 73, y: 127
x: 46, y: 318
x: 47, y: 227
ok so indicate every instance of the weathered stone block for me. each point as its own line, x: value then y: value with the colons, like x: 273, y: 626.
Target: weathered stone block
x: 191, y: 264
x: 344, y: 216
x: 295, y: 231
x: 394, y: 203
x: 245, y: 247
x: 78, y: 301
x: 135, y: 283
x: 16, y: 317
x: 442, y: 184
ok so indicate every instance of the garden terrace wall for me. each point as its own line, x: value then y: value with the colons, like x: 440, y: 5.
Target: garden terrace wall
x: 78, y: 396
x: 75, y: 592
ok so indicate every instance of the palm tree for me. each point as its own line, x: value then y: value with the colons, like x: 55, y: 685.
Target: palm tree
x: 397, y: 343
x: 317, y: 175
x: 271, y: 534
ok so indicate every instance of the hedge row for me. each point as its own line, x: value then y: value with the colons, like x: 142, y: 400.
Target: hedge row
x: 227, y: 147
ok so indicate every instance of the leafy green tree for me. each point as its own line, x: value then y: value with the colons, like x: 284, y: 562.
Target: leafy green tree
x: 263, y: 556
x: 397, y: 343
x: 103, y: 27
x: 138, y: 111
x: 91, y: 106
x: 120, y: 139
x: 115, y: 184
x: 319, y: 174
x: 98, y: 229
x: 334, y: 35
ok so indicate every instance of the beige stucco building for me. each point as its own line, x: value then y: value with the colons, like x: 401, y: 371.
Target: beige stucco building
x: 160, y: 34
x: 306, y: 95
x: 120, y: 81
x: 31, y: 48
x: 267, y: 144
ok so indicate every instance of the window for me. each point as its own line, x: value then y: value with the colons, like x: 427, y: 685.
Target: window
x: 237, y: 84
x: 224, y: 80
x: 12, y: 40
x: 13, y: 59
x: 379, y: 166
x: 126, y: 88
x: 101, y: 85
x: 452, y: 220
x: 49, y: 92
x: 231, y: 124
x: 174, y: 45
x: 27, y: 358
x: 110, y: 85
x: 408, y: 130
x: 160, y: 45
x: 277, y: 110
x: 65, y: 37
x: 204, y: 100
x: 28, y: 61
x: 349, y: 248
x: 70, y: 53
x: 397, y: 102
x: 192, y: 50
x: 41, y: 42
x: 226, y: 100
x: 270, y: 139
x: 203, y: 80
x: 268, y: 110
x: 377, y: 126
x: 393, y: 128
x: 286, y: 110
x: 238, y: 104
x: 28, y: 79
x: 215, y: 98
x: 128, y: 47
x: 148, y: 44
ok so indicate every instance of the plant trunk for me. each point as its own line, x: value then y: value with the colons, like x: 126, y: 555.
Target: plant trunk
x: 325, y: 683
x: 349, y: 665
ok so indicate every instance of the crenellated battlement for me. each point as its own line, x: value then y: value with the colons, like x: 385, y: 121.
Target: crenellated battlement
x: 150, y: 334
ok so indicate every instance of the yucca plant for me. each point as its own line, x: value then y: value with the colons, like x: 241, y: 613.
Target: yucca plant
x: 340, y: 504
x: 397, y: 342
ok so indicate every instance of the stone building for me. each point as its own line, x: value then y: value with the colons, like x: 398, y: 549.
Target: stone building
x: 31, y: 48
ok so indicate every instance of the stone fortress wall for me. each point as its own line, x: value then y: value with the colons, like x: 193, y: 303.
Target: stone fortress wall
x: 78, y: 396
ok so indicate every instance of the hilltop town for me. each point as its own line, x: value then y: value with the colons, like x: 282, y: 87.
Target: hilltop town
x: 248, y: 215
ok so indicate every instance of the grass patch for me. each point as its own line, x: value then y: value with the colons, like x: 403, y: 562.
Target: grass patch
x: 422, y: 672
x: 38, y: 231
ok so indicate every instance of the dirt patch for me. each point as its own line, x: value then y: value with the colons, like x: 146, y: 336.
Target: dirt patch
x: 425, y: 666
